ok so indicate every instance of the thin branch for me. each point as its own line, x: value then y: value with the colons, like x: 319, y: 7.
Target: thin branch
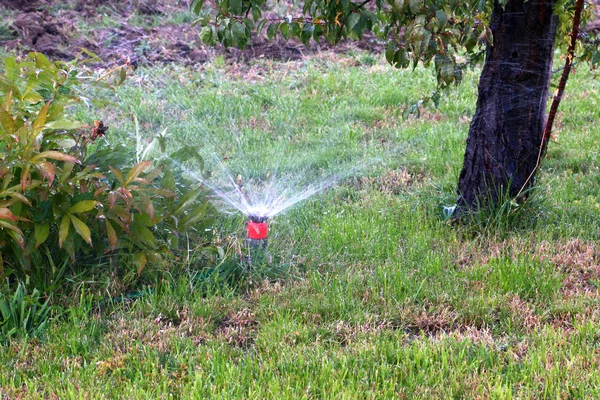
x: 564, y: 77
x: 364, y: 3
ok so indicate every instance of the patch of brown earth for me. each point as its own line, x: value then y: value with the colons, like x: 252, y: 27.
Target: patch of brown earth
x: 39, y: 31
x: 22, y: 5
x: 45, y: 27
x: 594, y: 24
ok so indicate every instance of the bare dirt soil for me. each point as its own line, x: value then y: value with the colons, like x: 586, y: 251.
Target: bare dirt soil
x: 128, y: 30
x: 141, y: 31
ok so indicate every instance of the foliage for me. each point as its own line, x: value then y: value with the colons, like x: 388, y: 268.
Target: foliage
x: 55, y: 205
x: 23, y: 313
x: 450, y: 35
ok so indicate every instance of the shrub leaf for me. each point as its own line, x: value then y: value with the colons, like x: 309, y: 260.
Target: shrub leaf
x: 83, y: 206
x: 41, y: 233
x: 63, y: 231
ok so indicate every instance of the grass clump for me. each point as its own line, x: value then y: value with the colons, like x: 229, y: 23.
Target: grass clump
x: 23, y: 314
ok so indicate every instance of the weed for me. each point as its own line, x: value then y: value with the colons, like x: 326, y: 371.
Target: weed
x: 24, y: 314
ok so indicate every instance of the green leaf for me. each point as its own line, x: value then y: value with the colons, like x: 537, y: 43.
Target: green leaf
x: 271, y: 31
x: 82, y: 229
x: 188, y: 199
x: 7, y: 123
x: 401, y: 59
x: 118, y: 175
x: 236, y: 6
x: 41, y: 61
x: 122, y: 76
x: 40, y: 121
x: 62, y: 141
x: 90, y: 54
x: 41, y: 233
x: 238, y: 31
x: 64, y: 124
x: 143, y: 235
x: 140, y: 261
x: 10, y: 68
x: 447, y: 73
x: 63, y: 231
x: 195, y: 215
x: 111, y: 234
x: 471, y: 40
x: 14, y: 233
x: 415, y: 5
x: 285, y: 30
x: 8, y: 101
x: 206, y: 34
x: 307, y: 30
x: 83, y: 206
x: 148, y: 206
x: 389, y: 52
x: 168, y: 180
x: 352, y: 20
x: 196, y: 6
x: 256, y: 13
x: 261, y: 26
x: 441, y: 17
x: 144, y: 219
x: 17, y: 196
x: 596, y: 57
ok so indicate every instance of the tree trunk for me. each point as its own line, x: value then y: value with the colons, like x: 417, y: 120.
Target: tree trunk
x: 505, y: 135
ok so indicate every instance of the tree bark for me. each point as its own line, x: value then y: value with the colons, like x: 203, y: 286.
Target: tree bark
x: 505, y: 135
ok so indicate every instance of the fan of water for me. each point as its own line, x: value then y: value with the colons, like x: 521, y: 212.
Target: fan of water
x: 261, y: 199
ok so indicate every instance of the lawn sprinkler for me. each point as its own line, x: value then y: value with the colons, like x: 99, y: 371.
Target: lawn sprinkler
x: 258, y: 230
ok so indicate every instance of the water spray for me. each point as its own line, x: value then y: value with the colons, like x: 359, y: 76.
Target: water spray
x: 262, y: 199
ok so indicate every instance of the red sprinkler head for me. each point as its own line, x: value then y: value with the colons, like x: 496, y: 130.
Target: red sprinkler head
x: 257, y: 230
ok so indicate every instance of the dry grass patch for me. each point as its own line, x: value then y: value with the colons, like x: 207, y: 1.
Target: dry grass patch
x: 254, y: 123
x: 523, y: 314
x: 578, y: 260
x: 418, y: 320
x: 238, y: 329
x: 391, y: 181
x: 347, y: 333
x: 159, y: 332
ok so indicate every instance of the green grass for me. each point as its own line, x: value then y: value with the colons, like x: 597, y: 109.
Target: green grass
x: 371, y: 294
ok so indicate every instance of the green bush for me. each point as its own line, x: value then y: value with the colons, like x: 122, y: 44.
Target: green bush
x: 56, y: 206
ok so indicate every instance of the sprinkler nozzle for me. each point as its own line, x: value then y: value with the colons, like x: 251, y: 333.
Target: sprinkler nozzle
x: 257, y: 218
x: 257, y: 230
x: 257, y: 236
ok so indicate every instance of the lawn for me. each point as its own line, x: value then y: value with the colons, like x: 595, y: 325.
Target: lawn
x: 371, y: 292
